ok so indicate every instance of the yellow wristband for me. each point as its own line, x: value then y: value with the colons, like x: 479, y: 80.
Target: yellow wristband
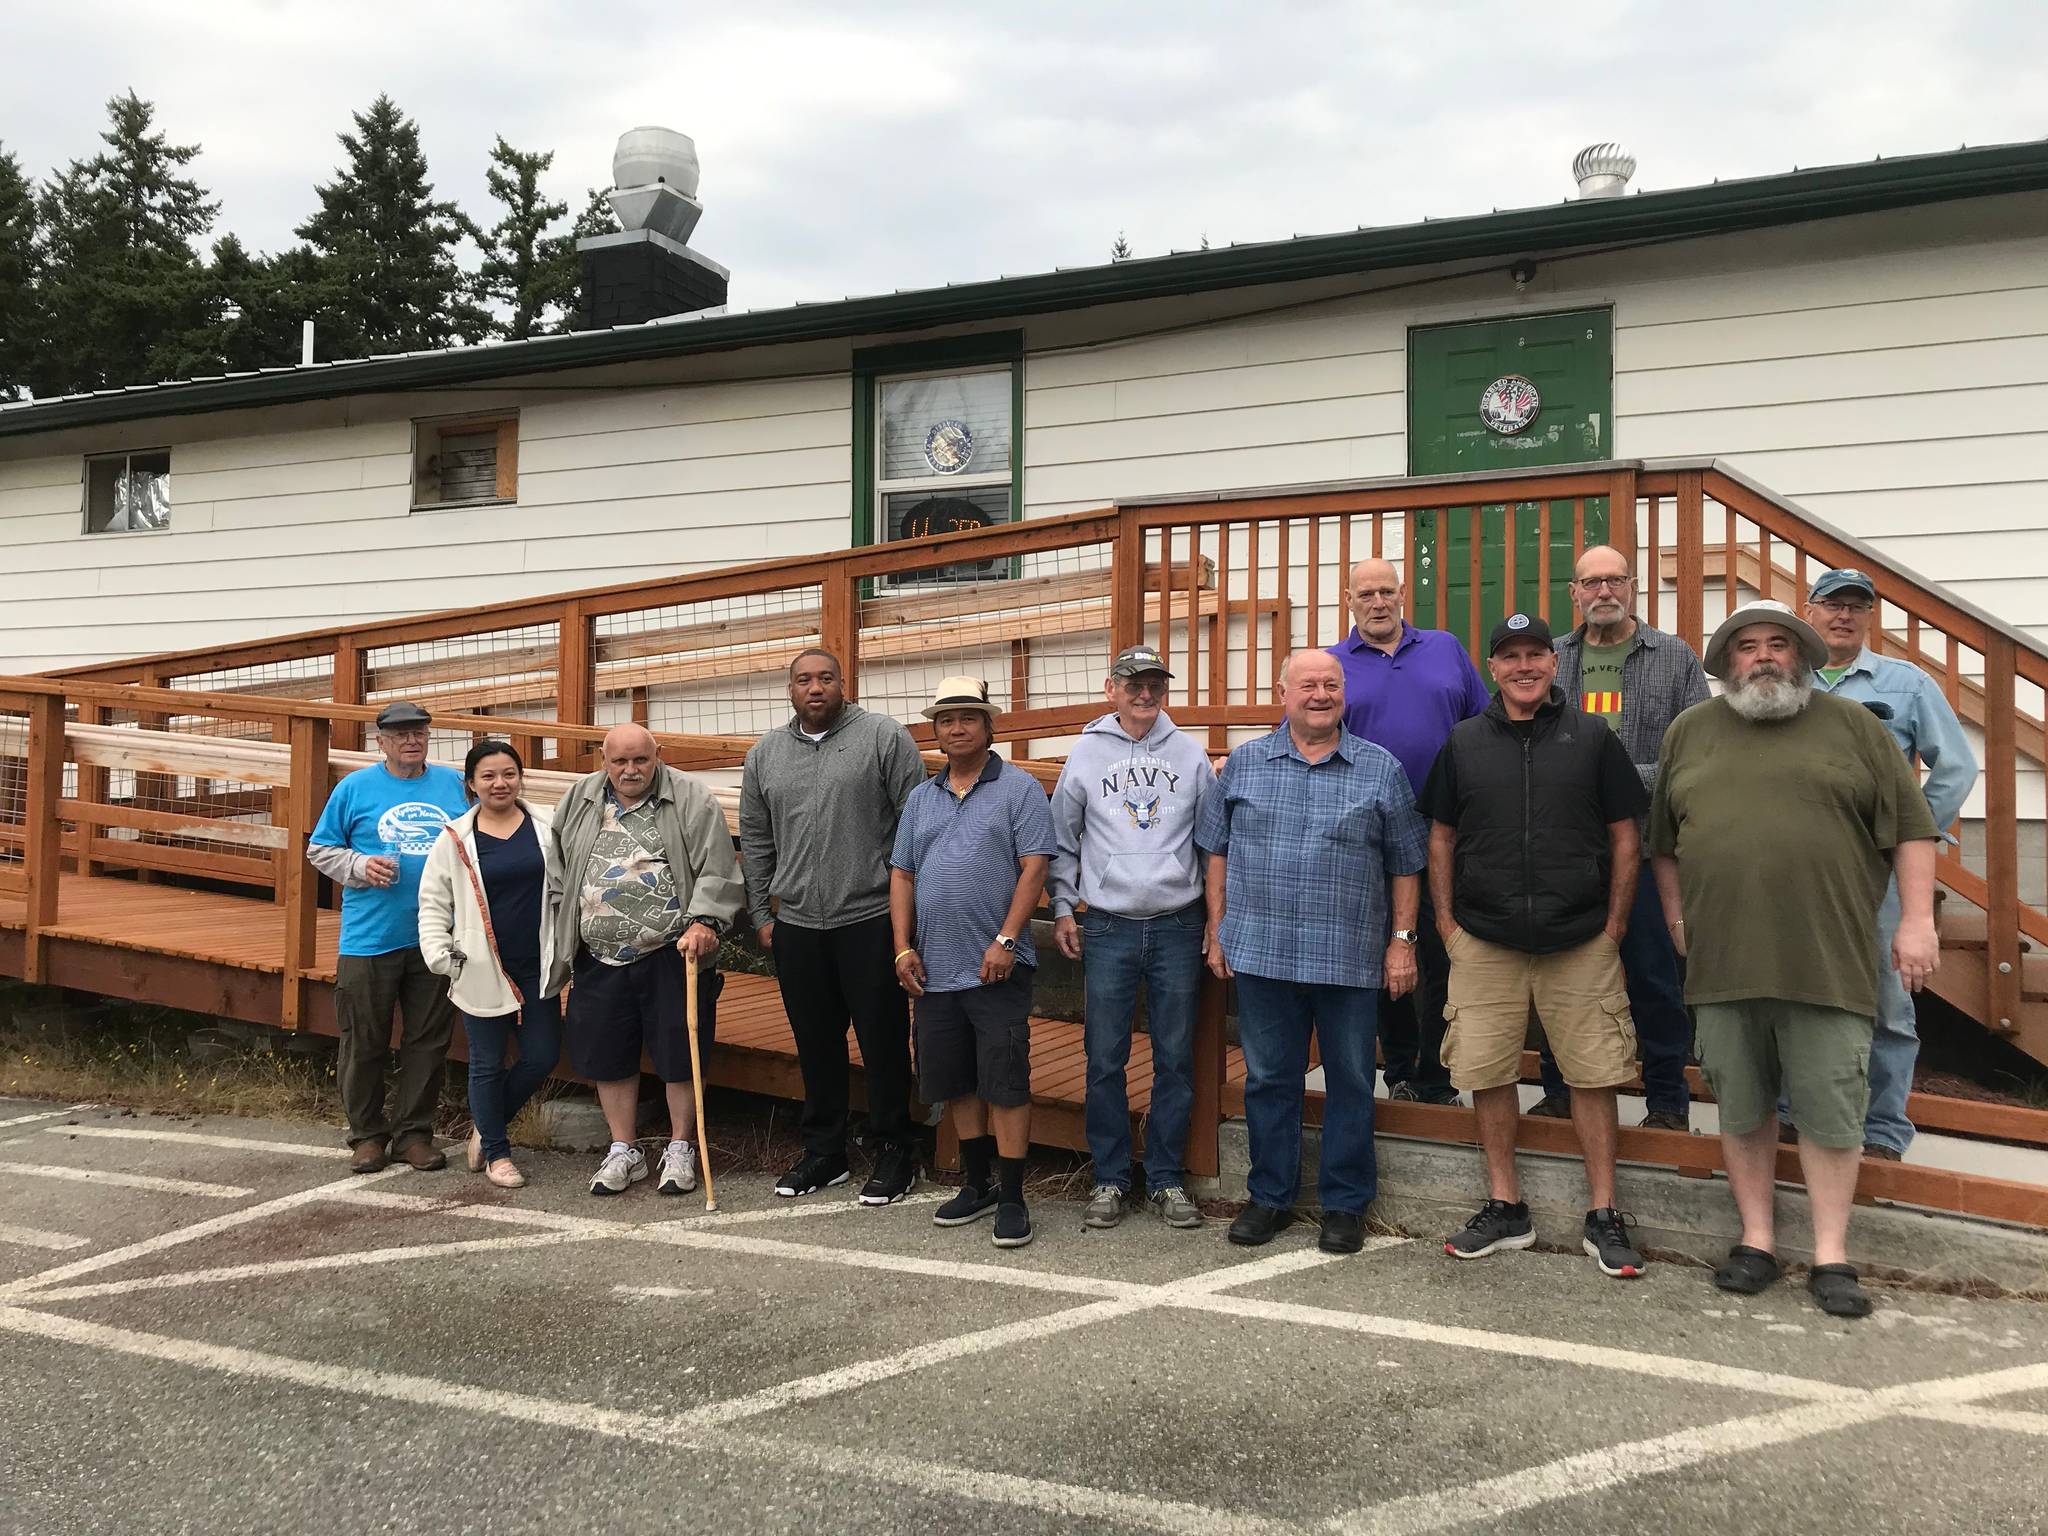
x: 902, y: 952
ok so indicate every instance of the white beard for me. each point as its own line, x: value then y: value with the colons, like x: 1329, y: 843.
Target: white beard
x: 1769, y: 694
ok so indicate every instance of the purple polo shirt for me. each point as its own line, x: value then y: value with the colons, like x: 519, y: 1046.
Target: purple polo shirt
x: 1408, y: 702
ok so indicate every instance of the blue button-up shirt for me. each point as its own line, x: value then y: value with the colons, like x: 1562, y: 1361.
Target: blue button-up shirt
x: 1408, y: 700
x: 1920, y: 722
x: 1310, y: 847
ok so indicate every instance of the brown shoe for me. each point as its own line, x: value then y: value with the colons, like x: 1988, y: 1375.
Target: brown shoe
x: 372, y: 1155
x: 1882, y: 1154
x: 1550, y: 1107
x: 1665, y: 1120
x: 422, y: 1155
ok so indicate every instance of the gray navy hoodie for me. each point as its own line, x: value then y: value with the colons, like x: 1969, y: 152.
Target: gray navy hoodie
x: 1124, y: 813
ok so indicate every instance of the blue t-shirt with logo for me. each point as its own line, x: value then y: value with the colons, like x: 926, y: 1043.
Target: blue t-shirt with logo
x: 373, y: 811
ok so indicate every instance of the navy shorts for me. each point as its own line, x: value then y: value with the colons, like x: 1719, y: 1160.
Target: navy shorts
x: 617, y: 1011
x: 976, y: 1044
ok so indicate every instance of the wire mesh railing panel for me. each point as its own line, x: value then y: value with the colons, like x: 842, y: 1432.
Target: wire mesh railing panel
x: 13, y: 787
x: 717, y: 667
x: 500, y: 671
x: 297, y: 677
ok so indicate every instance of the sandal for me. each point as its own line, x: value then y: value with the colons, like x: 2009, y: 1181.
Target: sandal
x: 1747, y: 1271
x: 1836, y: 1291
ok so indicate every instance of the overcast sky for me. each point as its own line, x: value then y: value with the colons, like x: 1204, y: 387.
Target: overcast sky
x: 858, y: 148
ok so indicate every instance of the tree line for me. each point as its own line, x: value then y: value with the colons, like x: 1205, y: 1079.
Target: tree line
x: 106, y: 279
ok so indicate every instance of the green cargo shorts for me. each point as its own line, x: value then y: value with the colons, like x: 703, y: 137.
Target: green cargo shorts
x: 1818, y: 1057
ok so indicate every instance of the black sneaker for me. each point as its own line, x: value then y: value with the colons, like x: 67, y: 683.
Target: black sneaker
x: 1552, y: 1106
x: 813, y: 1171
x: 1256, y: 1225
x: 1013, y: 1226
x: 1498, y: 1225
x: 971, y: 1204
x: 1607, y: 1240
x: 894, y: 1177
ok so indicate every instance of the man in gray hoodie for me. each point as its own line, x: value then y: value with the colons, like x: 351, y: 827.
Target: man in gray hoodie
x: 1124, y: 814
x: 819, y: 801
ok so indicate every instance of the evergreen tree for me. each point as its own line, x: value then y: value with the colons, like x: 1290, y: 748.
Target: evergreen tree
x: 597, y: 217
x: 255, y: 307
x: 386, y: 247
x: 1121, y: 251
x: 17, y: 276
x: 121, y: 285
x: 528, y: 276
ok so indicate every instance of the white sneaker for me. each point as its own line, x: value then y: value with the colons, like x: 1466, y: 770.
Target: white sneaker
x: 618, y: 1170
x: 678, y: 1169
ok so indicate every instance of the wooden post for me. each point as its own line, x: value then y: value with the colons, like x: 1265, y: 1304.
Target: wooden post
x: 43, y: 842
x: 346, y: 684
x: 839, y: 622
x: 1127, y: 583
x: 575, y: 681
x: 94, y: 786
x: 1621, y: 516
x: 281, y: 860
x: 304, y: 801
x: 1205, y: 1114
x: 1688, y: 507
x: 2001, y: 838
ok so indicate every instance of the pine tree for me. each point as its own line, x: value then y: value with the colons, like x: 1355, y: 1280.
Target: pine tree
x: 386, y: 247
x: 1121, y: 251
x: 255, y: 307
x: 121, y: 285
x: 17, y: 276
x: 528, y: 276
x: 597, y: 217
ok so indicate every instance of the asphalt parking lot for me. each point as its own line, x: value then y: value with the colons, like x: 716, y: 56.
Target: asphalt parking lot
x: 209, y: 1326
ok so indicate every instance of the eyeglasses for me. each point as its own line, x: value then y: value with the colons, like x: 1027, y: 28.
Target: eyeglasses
x: 406, y: 733
x: 1837, y: 605
x: 1595, y: 583
x: 1144, y: 685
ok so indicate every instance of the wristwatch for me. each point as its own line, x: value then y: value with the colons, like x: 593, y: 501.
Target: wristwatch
x: 1007, y: 942
x: 1405, y: 935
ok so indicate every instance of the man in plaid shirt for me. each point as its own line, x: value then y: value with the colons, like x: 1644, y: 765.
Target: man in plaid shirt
x: 1304, y: 832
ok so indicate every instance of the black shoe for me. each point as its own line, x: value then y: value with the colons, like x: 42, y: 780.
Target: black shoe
x: 1343, y: 1232
x: 1404, y: 1093
x: 1668, y: 1120
x: 894, y: 1177
x: 813, y: 1171
x: 1552, y: 1106
x: 1256, y: 1224
x: 1013, y: 1226
x: 1498, y: 1225
x: 1447, y: 1096
x: 1788, y: 1133
x: 971, y: 1204
x: 1606, y: 1239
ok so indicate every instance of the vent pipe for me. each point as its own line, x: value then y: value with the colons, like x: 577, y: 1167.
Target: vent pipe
x: 1603, y: 170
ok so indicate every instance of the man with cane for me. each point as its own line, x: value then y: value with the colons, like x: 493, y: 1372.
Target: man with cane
x: 654, y: 880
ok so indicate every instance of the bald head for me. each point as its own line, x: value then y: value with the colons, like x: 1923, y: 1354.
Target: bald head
x: 1604, y: 593
x: 1373, y: 593
x: 630, y: 761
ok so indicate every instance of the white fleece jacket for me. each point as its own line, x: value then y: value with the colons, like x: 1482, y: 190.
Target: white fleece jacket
x: 453, y: 939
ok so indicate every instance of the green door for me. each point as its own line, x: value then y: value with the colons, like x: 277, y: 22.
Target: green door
x: 1506, y: 394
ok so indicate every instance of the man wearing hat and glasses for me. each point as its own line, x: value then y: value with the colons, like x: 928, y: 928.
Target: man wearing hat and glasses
x: 1124, y: 812
x: 1911, y: 707
x: 971, y: 852
x: 1780, y: 813
x: 373, y: 840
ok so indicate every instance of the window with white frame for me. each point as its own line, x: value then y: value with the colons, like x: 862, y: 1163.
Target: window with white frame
x: 943, y: 460
x: 128, y: 492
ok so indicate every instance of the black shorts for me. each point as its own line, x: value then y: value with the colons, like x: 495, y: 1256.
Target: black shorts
x: 617, y: 1011
x: 977, y: 1043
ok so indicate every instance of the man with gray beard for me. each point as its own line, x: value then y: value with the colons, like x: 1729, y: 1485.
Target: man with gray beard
x: 1780, y: 813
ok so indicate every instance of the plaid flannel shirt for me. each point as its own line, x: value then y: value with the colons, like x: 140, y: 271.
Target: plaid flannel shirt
x: 1661, y: 678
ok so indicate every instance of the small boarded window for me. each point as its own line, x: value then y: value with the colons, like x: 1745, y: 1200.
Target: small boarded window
x: 128, y: 492
x: 465, y: 463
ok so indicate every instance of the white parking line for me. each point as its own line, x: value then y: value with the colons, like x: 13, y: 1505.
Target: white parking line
x: 126, y: 1180
x: 48, y: 1114
x: 660, y: 1292
x: 27, y: 1237
x: 202, y: 1139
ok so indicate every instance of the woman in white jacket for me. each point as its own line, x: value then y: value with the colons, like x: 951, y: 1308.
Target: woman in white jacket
x: 487, y: 923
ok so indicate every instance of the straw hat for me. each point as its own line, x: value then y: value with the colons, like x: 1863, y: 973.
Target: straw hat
x: 961, y: 692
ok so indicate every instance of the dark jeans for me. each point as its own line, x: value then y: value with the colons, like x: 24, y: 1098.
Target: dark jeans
x: 496, y: 1092
x: 1655, y: 998
x: 1274, y: 1021
x: 368, y: 989
x: 1117, y: 953
x: 1412, y: 1027
x: 828, y: 977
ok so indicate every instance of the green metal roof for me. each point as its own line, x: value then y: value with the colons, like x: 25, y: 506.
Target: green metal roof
x: 1688, y: 212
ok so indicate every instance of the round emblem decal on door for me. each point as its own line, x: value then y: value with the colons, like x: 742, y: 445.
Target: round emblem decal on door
x: 949, y: 447
x: 1509, y: 404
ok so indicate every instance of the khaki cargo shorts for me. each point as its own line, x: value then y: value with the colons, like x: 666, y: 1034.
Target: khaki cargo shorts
x: 1579, y: 995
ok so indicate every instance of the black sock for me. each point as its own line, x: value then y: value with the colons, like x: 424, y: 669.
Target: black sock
x: 975, y: 1154
x: 1011, y: 1170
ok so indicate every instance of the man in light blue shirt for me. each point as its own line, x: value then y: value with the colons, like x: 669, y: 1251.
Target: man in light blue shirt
x: 372, y: 840
x: 1910, y: 703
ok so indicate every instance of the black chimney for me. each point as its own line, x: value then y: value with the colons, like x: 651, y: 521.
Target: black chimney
x: 646, y: 271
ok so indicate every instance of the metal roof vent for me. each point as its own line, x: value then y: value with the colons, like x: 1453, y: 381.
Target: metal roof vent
x: 1603, y: 170
x: 645, y: 271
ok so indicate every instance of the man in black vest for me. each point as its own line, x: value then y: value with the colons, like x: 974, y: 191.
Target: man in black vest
x: 1532, y: 866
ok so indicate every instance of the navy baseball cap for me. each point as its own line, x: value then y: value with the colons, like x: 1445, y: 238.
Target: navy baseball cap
x: 1519, y: 626
x: 1847, y: 579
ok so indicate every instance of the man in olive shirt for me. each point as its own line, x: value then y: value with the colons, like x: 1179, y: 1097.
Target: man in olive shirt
x: 1780, y: 812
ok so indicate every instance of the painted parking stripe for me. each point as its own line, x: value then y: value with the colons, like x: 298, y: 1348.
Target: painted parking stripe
x: 48, y: 1114
x: 28, y: 1237
x: 126, y: 1180
x: 201, y: 1139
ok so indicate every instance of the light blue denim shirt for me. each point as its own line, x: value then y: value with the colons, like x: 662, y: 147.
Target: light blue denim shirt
x: 1920, y: 722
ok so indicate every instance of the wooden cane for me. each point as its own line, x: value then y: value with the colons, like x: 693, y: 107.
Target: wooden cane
x: 697, y: 1083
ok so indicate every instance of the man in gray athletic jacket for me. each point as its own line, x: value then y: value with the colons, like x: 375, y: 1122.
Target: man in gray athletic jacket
x: 819, y: 800
x: 1124, y: 813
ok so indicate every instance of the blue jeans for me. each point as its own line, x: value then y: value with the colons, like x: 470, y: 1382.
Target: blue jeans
x: 1655, y: 998
x: 1894, y: 1045
x: 1165, y: 953
x: 1274, y: 1022
x: 496, y: 1092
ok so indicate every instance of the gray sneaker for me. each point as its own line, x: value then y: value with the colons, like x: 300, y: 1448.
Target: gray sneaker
x: 1105, y: 1207
x: 1172, y: 1206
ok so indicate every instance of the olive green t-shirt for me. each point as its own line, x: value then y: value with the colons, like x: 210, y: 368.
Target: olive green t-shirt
x: 1782, y: 830
x: 1600, y: 680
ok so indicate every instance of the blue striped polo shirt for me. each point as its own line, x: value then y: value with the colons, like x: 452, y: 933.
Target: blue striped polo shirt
x: 964, y: 852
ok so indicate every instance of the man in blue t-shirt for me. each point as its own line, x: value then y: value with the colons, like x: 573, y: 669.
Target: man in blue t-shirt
x: 372, y: 841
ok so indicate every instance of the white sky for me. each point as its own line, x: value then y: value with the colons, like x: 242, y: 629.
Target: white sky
x: 893, y: 144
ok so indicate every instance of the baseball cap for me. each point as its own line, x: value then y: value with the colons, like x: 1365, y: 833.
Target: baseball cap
x: 1518, y: 626
x: 403, y: 713
x: 959, y: 692
x: 1133, y: 659
x: 1846, y: 579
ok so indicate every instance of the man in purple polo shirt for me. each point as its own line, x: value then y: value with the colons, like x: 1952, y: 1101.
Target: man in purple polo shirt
x: 1404, y: 688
